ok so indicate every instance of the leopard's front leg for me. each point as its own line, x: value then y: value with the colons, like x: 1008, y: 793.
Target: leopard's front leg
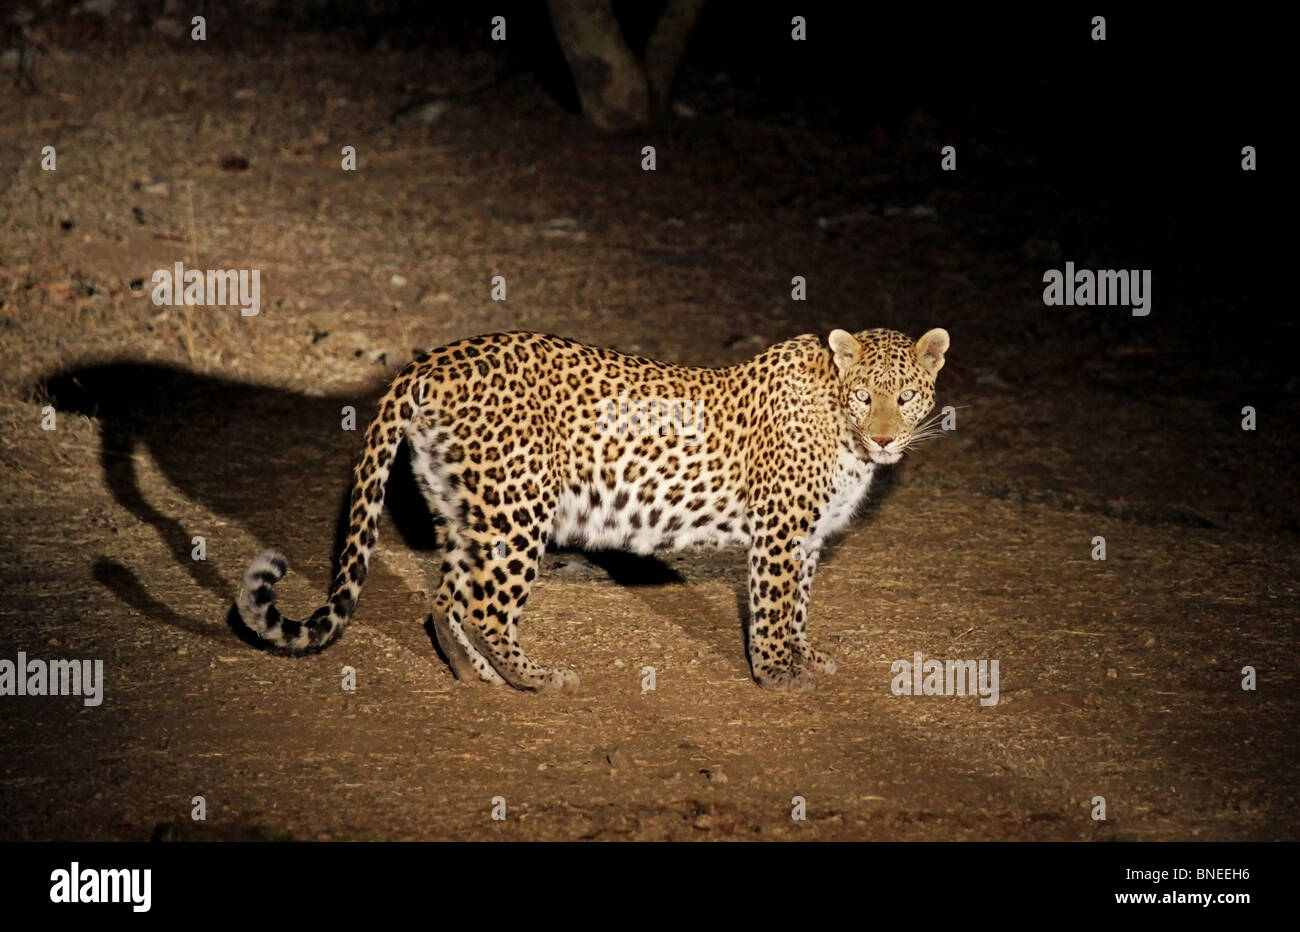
x: 778, y: 603
x: 805, y: 655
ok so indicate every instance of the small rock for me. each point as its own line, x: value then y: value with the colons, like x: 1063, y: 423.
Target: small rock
x: 683, y: 110
x: 54, y: 642
x: 158, y: 188
x: 563, y: 228
x: 421, y: 113
x: 98, y: 7
x: 655, y: 645
x: 989, y: 376
x: 617, y: 759
x: 715, y: 775
x: 620, y: 663
x: 397, y: 281
x: 751, y: 343
x: 1150, y: 640
x: 1112, y: 673
x: 704, y: 822
x: 168, y: 27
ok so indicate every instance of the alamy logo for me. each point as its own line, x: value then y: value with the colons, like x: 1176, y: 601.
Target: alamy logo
x: 53, y: 678
x: 945, y: 678
x: 1105, y: 287
x: 87, y: 885
x: 215, y: 287
x: 681, y: 417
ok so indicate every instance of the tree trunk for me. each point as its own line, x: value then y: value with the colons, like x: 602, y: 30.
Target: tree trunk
x: 611, y: 82
x: 664, y: 51
x: 617, y: 91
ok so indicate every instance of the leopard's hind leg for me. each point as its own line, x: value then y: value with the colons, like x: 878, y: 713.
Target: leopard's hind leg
x: 465, y: 660
x: 487, y: 588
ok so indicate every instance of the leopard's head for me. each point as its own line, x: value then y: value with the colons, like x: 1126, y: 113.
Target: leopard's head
x: 886, y: 386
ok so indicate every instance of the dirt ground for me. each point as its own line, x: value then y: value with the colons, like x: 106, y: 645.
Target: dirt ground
x: 1119, y: 679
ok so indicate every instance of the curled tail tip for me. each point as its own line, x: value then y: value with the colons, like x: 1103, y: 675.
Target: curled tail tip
x: 256, y: 600
x: 256, y: 605
x: 267, y: 568
x: 258, y: 592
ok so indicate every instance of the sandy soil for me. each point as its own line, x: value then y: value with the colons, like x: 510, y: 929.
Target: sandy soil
x: 1119, y: 678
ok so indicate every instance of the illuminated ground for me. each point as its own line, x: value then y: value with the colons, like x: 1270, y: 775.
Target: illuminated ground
x: 1118, y: 679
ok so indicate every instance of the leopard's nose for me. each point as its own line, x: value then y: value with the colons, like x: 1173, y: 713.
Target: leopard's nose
x: 883, y: 441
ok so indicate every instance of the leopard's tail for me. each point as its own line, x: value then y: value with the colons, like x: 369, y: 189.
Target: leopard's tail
x: 256, y: 600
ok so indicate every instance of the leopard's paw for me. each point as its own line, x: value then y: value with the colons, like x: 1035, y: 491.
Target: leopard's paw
x: 819, y: 662
x: 559, y: 680
x: 785, y: 679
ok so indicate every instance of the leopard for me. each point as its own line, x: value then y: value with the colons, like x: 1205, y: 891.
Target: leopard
x: 521, y: 440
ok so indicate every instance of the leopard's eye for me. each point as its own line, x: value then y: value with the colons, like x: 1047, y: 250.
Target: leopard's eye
x: 907, y: 396
x: 863, y: 396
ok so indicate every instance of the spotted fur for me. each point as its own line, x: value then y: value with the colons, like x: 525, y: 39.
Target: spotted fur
x: 520, y: 440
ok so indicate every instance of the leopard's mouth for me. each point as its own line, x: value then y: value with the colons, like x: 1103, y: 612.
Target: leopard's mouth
x: 873, y: 452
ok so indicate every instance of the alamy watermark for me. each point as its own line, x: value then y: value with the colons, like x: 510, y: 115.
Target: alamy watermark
x: 216, y: 287
x: 923, y: 677
x: 665, y: 417
x: 53, y: 678
x: 1104, y: 287
x: 80, y: 884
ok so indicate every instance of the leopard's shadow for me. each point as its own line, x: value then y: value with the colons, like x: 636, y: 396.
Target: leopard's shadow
x: 275, y: 461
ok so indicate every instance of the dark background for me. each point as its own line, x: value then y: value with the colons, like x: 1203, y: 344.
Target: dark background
x: 1118, y: 150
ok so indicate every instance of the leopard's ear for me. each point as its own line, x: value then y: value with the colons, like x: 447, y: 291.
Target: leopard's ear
x: 846, y: 348
x: 930, y: 349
